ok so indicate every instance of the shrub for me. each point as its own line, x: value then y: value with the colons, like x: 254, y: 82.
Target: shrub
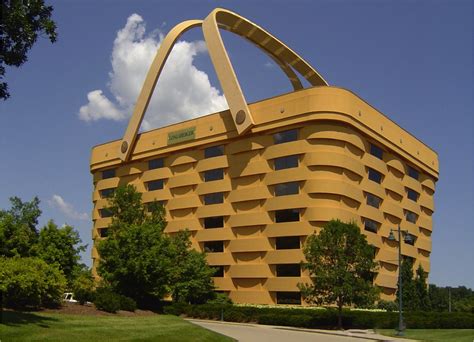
x: 220, y: 298
x: 107, y: 300
x: 127, y: 303
x: 83, y: 288
x: 387, y: 305
x: 30, y: 283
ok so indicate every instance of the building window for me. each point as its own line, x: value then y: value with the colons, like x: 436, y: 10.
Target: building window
x: 156, y: 164
x: 105, y: 212
x: 110, y: 173
x: 376, y: 151
x: 287, y: 162
x: 373, y: 200
x: 286, y: 136
x: 214, y: 151
x: 287, y: 215
x: 288, y: 270
x: 155, y: 185
x: 411, y: 216
x: 106, y: 193
x: 290, y: 188
x: 212, y: 175
x: 370, y: 225
x: 214, y: 246
x: 375, y: 176
x: 412, y: 194
x: 219, y: 271
x: 413, y: 173
x: 293, y: 298
x: 103, y: 232
x: 215, y: 198
x: 288, y: 242
x: 214, y: 222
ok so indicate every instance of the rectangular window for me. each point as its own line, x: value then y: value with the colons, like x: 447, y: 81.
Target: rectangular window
x: 287, y: 215
x: 286, y: 136
x: 219, y: 271
x: 286, y: 162
x: 288, y: 270
x: 214, y: 246
x: 212, y: 175
x: 110, y: 173
x: 290, y: 188
x: 373, y: 200
x: 214, y: 222
x: 288, y: 242
x: 413, y: 173
x: 375, y: 176
x: 370, y: 225
x: 156, y: 163
x: 292, y: 298
x: 215, y: 198
x: 106, y: 193
x: 412, y: 194
x: 214, y: 151
x: 376, y: 151
x: 411, y: 216
x: 155, y: 185
x: 105, y: 212
x: 103, y: 232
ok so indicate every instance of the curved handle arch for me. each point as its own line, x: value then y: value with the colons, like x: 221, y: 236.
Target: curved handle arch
x: 286, y: 58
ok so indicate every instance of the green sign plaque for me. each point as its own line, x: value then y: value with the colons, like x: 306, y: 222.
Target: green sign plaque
x: 181, y: 135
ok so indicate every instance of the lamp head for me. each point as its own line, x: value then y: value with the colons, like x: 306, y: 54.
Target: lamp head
x: 408, y: 238
x: 391, y: 236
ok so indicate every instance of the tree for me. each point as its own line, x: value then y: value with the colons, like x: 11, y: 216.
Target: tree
x: 415, y: 288
x: 341, y: 265
x: 21, y: 23
x: 61, y: 246
x: 421, y: 288
x: 83, y: 287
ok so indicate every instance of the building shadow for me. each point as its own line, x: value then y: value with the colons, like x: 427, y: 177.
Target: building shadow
x: 17, y: 318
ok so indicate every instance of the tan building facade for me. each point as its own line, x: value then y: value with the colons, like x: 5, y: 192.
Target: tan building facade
x: 250, y: 197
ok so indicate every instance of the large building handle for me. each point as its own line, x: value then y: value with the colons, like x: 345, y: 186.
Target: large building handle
x: 286, y: 58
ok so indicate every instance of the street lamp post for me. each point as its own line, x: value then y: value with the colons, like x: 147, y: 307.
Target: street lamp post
x: 407, y: 238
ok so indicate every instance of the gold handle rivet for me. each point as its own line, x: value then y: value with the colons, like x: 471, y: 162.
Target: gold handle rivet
x: 124, y: 147
x: 240, y: 117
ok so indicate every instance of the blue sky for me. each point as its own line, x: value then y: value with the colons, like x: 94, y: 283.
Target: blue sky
x: 412, y: 60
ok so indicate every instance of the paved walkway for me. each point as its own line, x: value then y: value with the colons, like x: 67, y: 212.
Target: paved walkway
x: 244, y: 332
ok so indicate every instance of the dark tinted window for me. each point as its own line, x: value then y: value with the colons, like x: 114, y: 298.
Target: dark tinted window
x: 412, y: 194
x: 411, y: 240
x: 104, y: 212
x: 214, y: 151
x: 156, y: 163
x: 110, y: 173
x: 212, y: 175
x: 286, y: 136
x: 287, y: 215
x: 370, y: 225
x: 376, y: 151
x: 104, y: 232
x: 106, y: 193
x: 283, y: 189
x: 214, y: 222
x: 293, y: 298
x: 288, y: 270
x: 375, y: 176
x: 413, y: 173
x: 373, y: 200
x: 287, y: 162
x: 155, y: 185
x: 214, y: 246
x: 288, y: 242
x: 214, y: 198
x: 411, y: 216
x: 219, y: 271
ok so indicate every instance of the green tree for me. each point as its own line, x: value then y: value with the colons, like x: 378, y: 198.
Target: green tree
x: 341, y: 266
x: 415, y: 288
x: 84, y: 286
x: 61, y: 246
x: 21, y: 21
x: 421, y: 289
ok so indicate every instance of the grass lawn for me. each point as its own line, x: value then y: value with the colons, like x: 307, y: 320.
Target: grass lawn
x: 455, y: 335
x: 23, y: 326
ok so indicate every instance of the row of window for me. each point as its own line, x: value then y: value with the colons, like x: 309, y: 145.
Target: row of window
x: 285, y: 242
x: 373, y: 226
x: 281, y: 216
x: 282, y: 270
x: 377, y: 152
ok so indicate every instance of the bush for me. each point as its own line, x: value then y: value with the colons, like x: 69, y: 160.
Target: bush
x: 30, y: 283
x: 83, y: 288
x: 387, y: 305
x: 220, y: 298
x: 127, y: 303
x: 107, y: 300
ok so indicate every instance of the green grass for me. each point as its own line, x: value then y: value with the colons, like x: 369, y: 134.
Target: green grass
x: 455, y: 335
x: 23, y: 326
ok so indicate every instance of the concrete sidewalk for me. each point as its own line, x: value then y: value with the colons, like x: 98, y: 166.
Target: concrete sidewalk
x: 247, y: 332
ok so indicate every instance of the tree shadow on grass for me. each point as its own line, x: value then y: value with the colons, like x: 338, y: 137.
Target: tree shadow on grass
x: 17, y: 318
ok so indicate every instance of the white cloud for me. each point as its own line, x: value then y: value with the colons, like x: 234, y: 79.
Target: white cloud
x: 66, y: 208
x: 182, y: 92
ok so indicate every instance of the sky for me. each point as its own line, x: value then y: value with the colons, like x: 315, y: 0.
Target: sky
x: 412, y: 60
